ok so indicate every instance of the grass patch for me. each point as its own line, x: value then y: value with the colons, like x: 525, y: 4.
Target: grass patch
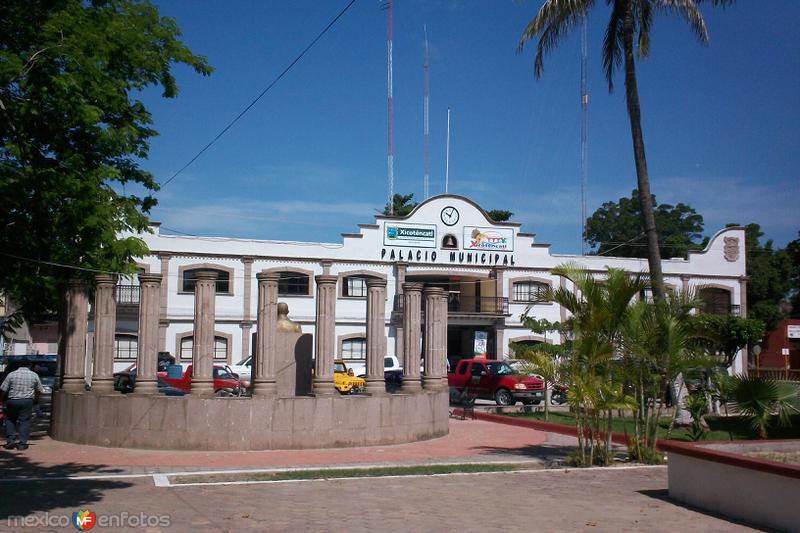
x: 416, y: 470
x: 720, y: 427
x: 790, y: 458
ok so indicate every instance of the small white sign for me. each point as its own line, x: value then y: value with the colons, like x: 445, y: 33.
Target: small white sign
x: 412, y: 235
x: 784, y: 351
x: 488, y: 239
x: 793, y: 331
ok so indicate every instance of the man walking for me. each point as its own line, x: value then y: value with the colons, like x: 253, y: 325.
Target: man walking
x: 20, y: 391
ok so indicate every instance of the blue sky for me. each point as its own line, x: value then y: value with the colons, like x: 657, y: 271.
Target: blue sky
x: 308, y: 161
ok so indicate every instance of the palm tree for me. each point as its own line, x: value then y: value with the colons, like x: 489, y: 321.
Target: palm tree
x: 598, y: 309
x: 629, y: 19
x: 758, y: 399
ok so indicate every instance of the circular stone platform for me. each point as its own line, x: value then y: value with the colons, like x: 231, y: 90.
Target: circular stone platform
x: 238, y: 424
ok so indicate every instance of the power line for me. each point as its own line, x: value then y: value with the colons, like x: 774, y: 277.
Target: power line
x: 265, y: 91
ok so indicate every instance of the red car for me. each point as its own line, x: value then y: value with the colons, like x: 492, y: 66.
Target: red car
x: 224, y: 381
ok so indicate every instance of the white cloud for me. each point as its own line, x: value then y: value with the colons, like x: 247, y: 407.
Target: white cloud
x: 723, y: 200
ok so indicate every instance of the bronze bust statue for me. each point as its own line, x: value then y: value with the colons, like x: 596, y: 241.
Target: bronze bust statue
x: 284, y: 324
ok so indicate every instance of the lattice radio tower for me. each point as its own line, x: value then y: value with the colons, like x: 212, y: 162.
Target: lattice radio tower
x: 387, y: 5
x: 425, y: 110
x: 584, y: 130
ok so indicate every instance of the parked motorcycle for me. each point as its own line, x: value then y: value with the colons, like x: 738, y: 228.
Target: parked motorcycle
x: 558, y: 396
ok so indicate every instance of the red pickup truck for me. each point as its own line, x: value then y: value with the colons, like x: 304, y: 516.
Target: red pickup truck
x: 495, y: 380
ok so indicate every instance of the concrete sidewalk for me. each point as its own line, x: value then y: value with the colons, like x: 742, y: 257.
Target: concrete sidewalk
x: 468, y: 441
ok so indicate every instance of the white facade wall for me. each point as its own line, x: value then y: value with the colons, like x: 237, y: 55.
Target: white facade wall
x: 371, y: 252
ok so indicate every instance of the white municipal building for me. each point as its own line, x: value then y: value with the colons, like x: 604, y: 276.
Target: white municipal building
x: 492, y: 271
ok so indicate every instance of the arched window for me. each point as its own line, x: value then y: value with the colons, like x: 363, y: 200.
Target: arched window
x: 294, y: 284
x: 354, y: 348
x: 220, y: 348
x: 716, y: 301
x: 126, y: 347
x: 527, y: 291
x: 354, y: 283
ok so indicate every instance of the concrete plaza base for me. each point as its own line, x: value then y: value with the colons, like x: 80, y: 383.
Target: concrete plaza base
x: 720, y: 477
x: 220, y: 424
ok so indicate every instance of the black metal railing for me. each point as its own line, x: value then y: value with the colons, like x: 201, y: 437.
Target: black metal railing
x: 490, y: 305
x: 721, y: 309
x: 127, y: 295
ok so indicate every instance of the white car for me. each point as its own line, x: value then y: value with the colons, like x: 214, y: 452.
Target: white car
x: 243, y: 368
x: 390, y: 362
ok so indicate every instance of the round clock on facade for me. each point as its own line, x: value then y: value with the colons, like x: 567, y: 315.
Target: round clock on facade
x: 450, y: 215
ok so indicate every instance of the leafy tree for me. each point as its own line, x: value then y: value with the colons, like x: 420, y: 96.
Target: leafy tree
x: 72, y: 133
x: 793, y: 250
x: 499, y: 215
x: 616, y: 228
x: 725, y: 335
x: 401, y: 205
x: 630, y: 19
x: 769, y: 273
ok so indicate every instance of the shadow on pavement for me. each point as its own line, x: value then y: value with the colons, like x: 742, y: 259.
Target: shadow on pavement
x: 663, y: 495
x: 549, y: 454
x: 22, y: 497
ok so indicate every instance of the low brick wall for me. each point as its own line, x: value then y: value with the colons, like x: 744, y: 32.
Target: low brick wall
x: 237, y: 424
x: 718, y: 477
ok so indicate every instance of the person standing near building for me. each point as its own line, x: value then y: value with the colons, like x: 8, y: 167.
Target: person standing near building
x: 20, y: 391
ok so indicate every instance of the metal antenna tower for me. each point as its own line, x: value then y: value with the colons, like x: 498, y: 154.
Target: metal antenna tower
x: 425, y: 110
x: 390, y: 105
x: 584, y: 130
x: 447, y: 157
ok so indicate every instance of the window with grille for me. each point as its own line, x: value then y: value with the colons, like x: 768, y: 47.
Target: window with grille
x: 220, y: 348
x: 715, y: 301
x: 126, y: 347
x: 293, y: 284
x: 190, y: 280
x: 528, y: 291
x: 354, y: 348
x: 355, y: 287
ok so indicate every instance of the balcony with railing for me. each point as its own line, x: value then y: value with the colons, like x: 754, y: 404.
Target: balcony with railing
x: 127, y: 295
x: 460, y: 305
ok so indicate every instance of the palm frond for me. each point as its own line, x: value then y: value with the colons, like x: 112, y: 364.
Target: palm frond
x: 554, y: 19
x: 644, y: 18
x: 612, y: 42
x: 688, y: 10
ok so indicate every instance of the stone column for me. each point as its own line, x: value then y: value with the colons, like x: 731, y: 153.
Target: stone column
x: 163, y: 321
x: 400, y: 269
x: 147, y: 356
x: 376, y: 335
x: 203, y: 343
x: 685, y: 283
x: 499, y: 339
x: 247, y: 322
x: 440, y: 361
x: 433, y: 335
x: 498, y: 281
x: 75, y: 342
x: 743, y: 296
x: 105, y: 321
x: 264, y: 364
x: 412, y: 333
x: 325, y: 334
